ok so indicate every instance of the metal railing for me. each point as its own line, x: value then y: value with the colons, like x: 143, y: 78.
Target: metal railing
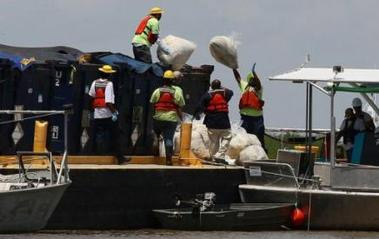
x: 63, y: 170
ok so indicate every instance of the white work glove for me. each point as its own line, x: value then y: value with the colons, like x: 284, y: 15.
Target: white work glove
x: 164, y: 47
x: 115, y: 116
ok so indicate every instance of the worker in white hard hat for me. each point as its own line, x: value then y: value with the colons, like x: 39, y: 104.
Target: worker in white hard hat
x: 168, y: 101
x: 364, y: 121
x: 146, y: 35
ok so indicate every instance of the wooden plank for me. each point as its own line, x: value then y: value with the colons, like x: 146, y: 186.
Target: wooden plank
x: 100, y: 160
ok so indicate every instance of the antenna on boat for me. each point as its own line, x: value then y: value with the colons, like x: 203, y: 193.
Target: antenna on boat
x: 307, y: 60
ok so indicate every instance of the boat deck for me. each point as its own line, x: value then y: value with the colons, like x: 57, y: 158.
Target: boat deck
x: 110, y: 196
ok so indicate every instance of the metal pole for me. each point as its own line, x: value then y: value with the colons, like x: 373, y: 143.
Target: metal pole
x: 310, y: 126
x: 332, y: 129
x: 306, y: 114
x: 32, y: 111
x: 66, y: 145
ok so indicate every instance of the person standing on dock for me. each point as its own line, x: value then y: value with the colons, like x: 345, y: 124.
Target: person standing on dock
x: 251, y: 104
x: 364, y: 121
x: 348, y: 133
x: 168, y: 101
x: 104, y: 127
x: 215, y: 106
x: 146, y: 34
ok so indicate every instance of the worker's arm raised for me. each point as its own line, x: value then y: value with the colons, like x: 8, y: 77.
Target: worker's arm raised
x: 237, y: 76
x: 257, y: 83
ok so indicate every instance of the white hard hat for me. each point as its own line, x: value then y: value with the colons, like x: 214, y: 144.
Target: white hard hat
x: 356, y: 102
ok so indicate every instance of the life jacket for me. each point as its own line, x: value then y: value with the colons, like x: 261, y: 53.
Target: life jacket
x: 250, y: 99
x: 166, y: 100
x: 99, y: 99
x: 143, y: 28
x: 218, y: 102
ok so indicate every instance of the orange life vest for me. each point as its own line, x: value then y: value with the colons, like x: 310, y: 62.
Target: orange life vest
x: 218, y: 102
x: 250, y: 99
x: 143, y: 28
x: 166, y: 100
x: 99, y: 99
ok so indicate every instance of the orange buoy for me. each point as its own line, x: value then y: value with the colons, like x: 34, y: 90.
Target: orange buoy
x: 297, y: 217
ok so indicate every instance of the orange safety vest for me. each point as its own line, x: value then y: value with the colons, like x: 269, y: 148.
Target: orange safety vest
x: 218, y: 102
x: 99, y: 99
x: 250, y: 99
x: 143, y: 28
x: 166, y: 100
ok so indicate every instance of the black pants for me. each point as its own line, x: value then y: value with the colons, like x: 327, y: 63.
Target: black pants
x: 105, y: 135
x: 254, y: 125
x: 142, y: 53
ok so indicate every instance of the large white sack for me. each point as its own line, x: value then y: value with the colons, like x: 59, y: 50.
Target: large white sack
x: 180, y: 51
x: 224, y: 50
x: 240, y: 140
x: 252, y: 153
x: 198, y: 146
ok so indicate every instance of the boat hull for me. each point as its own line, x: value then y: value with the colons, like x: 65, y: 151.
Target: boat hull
x: 325, y: 209
x: 240, y: 216
x: 26, y: 210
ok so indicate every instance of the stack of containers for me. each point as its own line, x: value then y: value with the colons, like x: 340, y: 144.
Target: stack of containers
x: 51, y: 84
x: 7, y: 93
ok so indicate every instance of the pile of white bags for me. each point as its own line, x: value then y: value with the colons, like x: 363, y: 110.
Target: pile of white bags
x: 179, y: 51
x: 243, y: 147
x: 224, y: 50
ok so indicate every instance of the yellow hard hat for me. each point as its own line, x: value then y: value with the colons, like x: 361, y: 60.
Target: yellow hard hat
x: 169, y: 74
x: 107, y: 69
x: 156, y: 10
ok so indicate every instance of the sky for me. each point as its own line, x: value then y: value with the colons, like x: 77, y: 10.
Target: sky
x: 277, y: 35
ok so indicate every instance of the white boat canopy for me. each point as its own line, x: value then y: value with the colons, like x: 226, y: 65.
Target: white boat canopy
x: 361, y: 81
x: 348, y: 75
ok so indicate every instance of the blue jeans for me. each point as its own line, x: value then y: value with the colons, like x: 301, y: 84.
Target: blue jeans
x: 167, y: 130
x: 254, y: 125
x: 105, y: 135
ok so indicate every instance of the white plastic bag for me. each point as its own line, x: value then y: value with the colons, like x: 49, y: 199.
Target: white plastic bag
x: 252, y: 153
x: 224, y: 50
x: 179, y: 51
x: 240, y: 141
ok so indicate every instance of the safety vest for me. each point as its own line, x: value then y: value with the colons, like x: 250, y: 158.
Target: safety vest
x: 166, y: 100
x: 250, y: 99
x: 143, y: 28
x: 218, y: 102
x: 99, y: 99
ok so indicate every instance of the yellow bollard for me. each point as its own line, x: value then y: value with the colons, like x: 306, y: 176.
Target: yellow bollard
x: 40, y: 136
x: 186, y: 157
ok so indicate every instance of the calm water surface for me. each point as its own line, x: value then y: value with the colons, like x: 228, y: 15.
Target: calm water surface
x: 163, y: 234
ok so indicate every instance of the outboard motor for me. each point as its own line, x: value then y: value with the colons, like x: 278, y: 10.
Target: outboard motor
x: 202, y: 202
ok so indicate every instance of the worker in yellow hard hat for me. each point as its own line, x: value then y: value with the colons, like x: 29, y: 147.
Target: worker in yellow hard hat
x: 146, y: 34
x: 168, y: 101
x: 105, y: 131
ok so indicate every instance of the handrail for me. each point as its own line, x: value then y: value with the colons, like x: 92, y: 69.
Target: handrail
x: 276, y: 129
x: 64, y: 165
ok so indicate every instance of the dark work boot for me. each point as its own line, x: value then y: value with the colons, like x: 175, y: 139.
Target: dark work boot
x: 169, y: 159
x: 123, y: 160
